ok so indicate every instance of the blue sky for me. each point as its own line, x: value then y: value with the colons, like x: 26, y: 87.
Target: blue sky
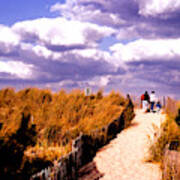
x: 12, y: 11
x: 128, y: 45
x: 107, y: 42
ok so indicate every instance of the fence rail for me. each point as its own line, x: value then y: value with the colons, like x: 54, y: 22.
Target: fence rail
x: 85, y: 147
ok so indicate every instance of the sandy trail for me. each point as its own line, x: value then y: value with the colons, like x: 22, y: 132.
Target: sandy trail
x: 123, y: 158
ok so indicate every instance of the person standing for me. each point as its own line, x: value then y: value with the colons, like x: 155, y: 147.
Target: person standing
x: 145, y: 102
x: 152, y: 100
x: 142, y: 99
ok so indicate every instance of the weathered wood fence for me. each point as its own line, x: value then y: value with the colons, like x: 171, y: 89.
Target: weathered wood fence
x: 85, y: 147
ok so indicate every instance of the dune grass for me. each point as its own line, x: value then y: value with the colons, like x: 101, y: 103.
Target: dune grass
x: 168, y: 132
x: 58, y: 118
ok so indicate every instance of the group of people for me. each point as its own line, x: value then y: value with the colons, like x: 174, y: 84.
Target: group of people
x: 150, y: 102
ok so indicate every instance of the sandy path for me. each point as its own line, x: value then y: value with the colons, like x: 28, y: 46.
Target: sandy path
x: 123, y: 157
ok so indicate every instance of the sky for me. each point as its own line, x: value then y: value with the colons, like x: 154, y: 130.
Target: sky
x: 128, y: 46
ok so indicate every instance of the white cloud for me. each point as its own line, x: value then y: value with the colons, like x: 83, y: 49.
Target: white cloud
x: 104, y: 80
x: 94, y: 54
x: 147, y: 50
x: 16, y: 68
x: 8, y: 36
x: 64, y: 8
x: 61, y: 32
x: 8, y: 39
x: 70, y: 7
x: 157, y: 7
x: 84, y: 10
x: 128, y: 33
x: 42, y: 51
x: 97, y: 81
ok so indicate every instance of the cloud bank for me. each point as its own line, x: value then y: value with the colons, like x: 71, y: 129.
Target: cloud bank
x: 66, y: 51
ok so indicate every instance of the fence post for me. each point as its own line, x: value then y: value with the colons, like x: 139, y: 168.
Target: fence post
x: 164, y: 101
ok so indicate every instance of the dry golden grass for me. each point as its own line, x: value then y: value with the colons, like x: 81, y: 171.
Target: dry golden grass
x: 169, y: 131
x: 59, y: 117
x: 48, y: 153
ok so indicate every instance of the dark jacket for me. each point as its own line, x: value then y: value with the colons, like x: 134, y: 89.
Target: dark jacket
x: 146, y: 97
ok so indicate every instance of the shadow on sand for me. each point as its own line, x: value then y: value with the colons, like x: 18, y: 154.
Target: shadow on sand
x: 89, y: 172
x: 134, y: 124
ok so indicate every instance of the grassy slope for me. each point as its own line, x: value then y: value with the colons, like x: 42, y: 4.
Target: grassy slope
x: 58, y: 117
